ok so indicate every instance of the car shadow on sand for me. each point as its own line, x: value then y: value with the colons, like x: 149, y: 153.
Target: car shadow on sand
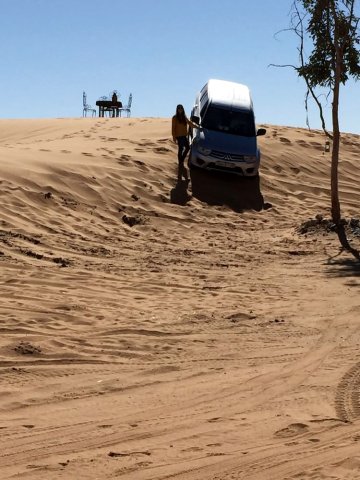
x: 236, y: 192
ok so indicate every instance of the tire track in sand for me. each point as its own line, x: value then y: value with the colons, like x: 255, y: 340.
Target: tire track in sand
x: 347, y: 400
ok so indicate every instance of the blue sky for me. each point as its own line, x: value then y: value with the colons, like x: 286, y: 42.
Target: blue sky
x: 163, y: 51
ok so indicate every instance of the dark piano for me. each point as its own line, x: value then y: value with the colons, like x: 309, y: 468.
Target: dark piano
x: 108, y: 106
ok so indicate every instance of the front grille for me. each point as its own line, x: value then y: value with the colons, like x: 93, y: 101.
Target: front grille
x: 230, y: 157
x: 214, y: 166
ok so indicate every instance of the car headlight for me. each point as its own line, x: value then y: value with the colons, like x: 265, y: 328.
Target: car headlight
x: 250, y: 158
x: 204, y: 150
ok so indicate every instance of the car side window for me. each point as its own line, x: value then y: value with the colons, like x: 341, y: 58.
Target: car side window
x: 203, y: 109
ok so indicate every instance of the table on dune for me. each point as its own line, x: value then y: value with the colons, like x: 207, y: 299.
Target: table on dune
x: 108, y: 106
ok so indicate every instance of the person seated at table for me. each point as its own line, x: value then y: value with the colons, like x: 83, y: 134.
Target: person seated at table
x: 114, y: 101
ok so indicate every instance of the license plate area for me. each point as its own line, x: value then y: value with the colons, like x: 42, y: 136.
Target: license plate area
x: 223, y: 164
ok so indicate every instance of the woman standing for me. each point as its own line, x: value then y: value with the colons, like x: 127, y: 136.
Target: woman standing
x: 180, y: 132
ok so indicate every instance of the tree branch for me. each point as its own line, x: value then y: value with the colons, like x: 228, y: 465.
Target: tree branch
x: 299, y: 29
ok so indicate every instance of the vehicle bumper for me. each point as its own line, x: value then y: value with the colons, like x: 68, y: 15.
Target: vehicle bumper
x: 238, y: 167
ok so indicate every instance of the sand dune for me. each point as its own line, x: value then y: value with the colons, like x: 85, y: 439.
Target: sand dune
x: 156, y: 328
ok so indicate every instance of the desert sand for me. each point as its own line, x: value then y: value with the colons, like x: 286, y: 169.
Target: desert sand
x: 154, y: 327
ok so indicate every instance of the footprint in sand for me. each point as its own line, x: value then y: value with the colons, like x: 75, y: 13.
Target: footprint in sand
x: 215, y: 419
x: 145, y: 142
x: 192, y: 449
x: 348, y: 142
x: 292, y: 430
x: 87, y: 154
x: 317, y: 145
x: 285, y: 140
x: 240, y: 317
x: 161, y: 150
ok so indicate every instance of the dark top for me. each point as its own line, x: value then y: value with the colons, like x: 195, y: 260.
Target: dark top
x: 108, y: 103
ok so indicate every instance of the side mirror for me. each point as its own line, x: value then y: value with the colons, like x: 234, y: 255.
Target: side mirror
x: 195, y: 119
x: 260, y: 132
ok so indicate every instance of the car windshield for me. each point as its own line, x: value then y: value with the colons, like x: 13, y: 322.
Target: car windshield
x: 235, y: 122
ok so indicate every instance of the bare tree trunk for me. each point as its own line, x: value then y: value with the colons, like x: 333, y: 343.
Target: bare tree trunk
x: 335, y: 202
